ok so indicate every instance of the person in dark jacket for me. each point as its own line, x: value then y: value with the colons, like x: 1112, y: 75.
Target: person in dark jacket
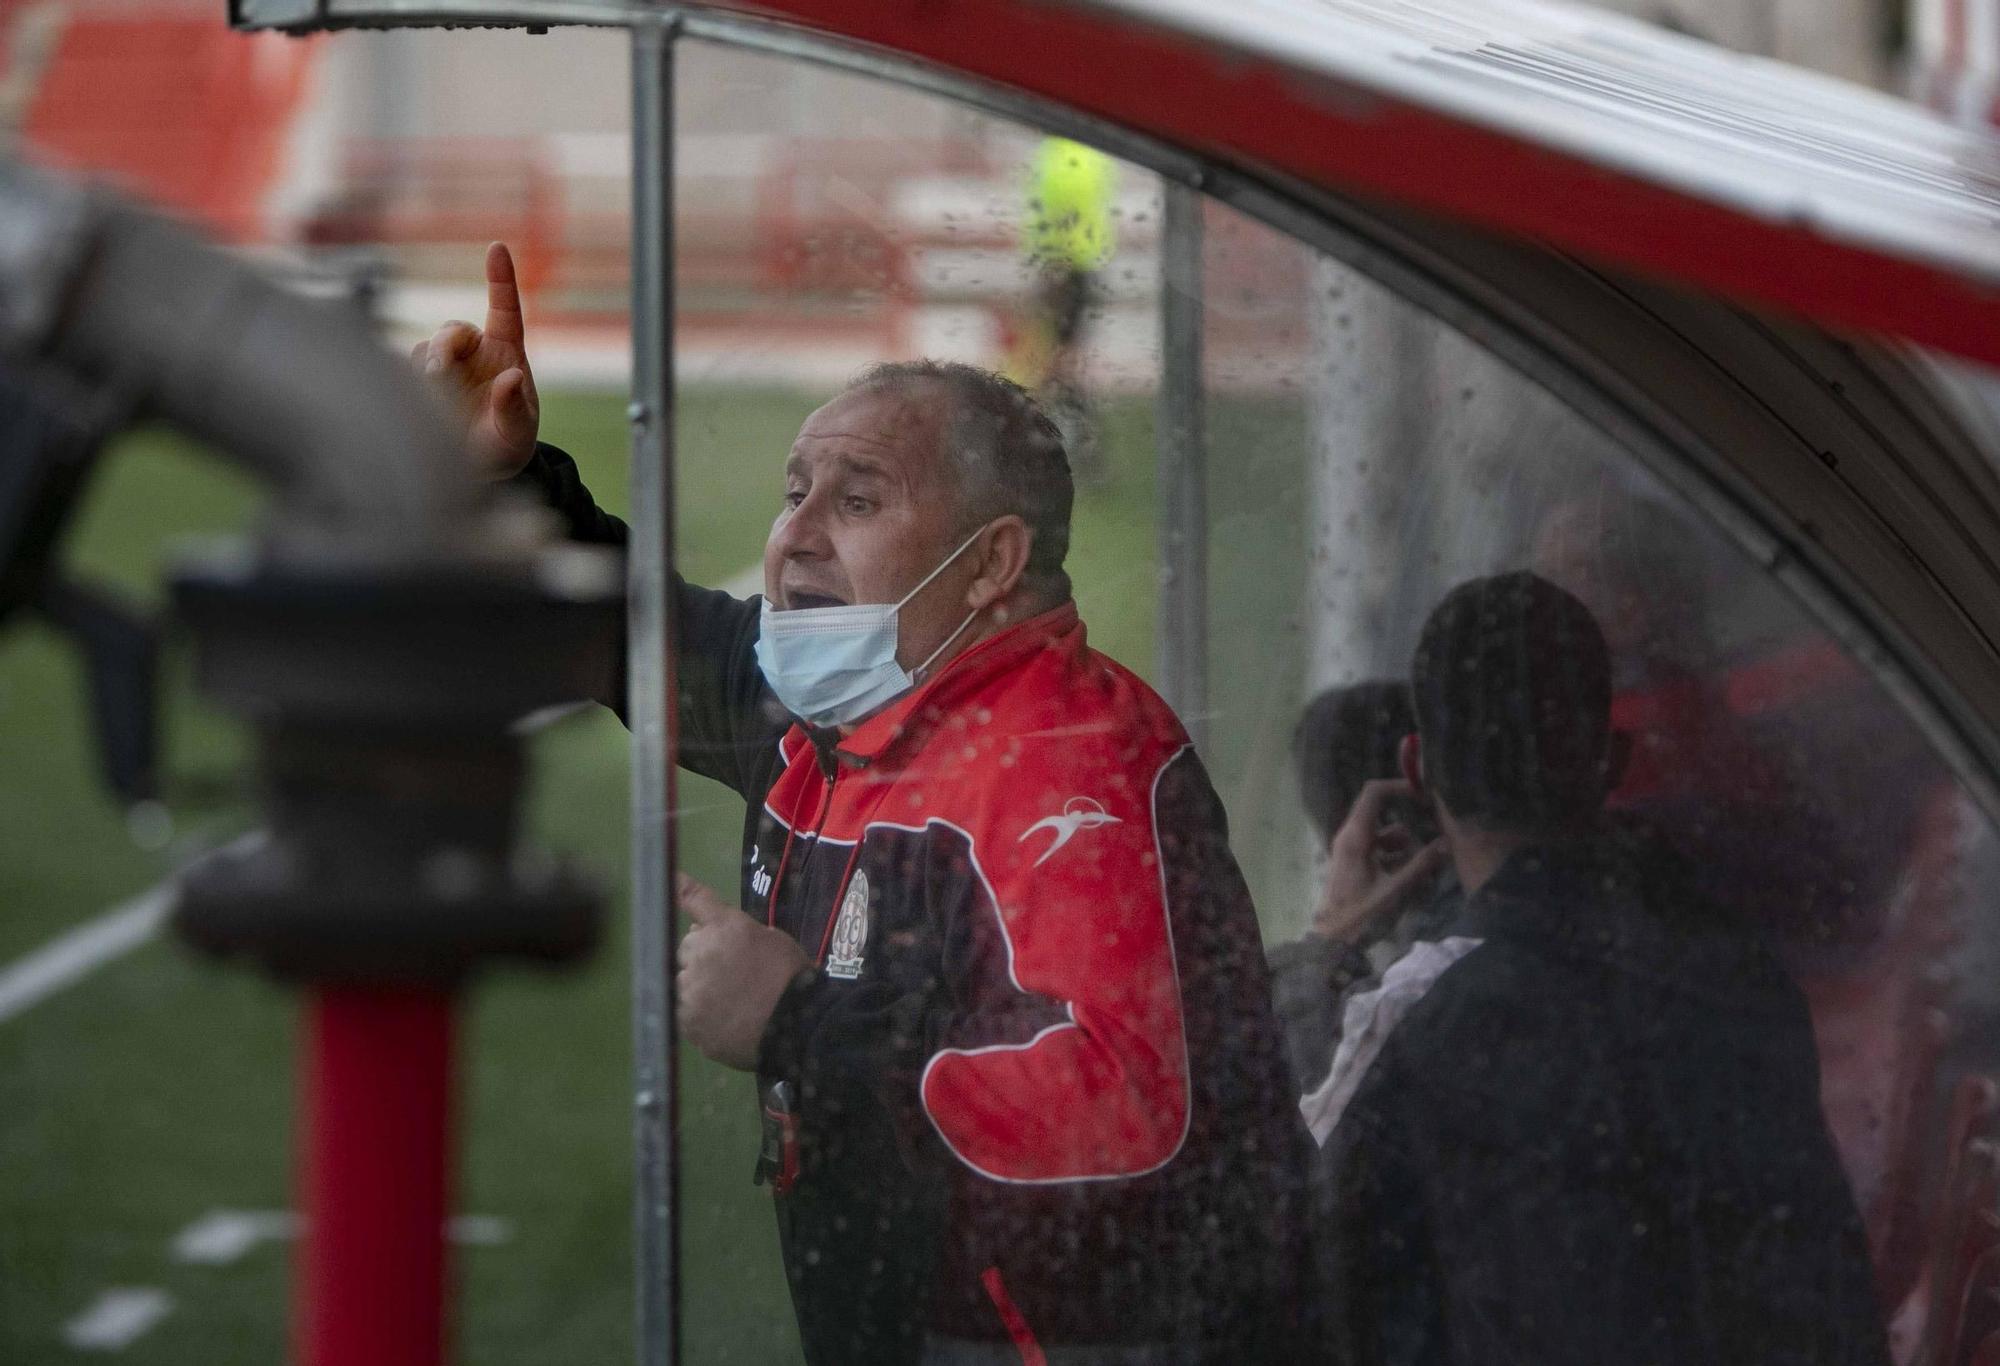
x: 991, y: 961
x: 1583, y: 1127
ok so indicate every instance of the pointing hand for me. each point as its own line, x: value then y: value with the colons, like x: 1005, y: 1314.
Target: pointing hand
x: 485, y: 374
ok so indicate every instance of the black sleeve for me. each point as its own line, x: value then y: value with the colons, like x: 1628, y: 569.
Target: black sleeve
x: 728, y: 717
x: 552, y: 477
x: 1311, y: 979
x: 730, y: 720
x: 1376, y: 1266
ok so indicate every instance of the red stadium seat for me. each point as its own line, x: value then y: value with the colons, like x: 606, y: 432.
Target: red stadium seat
x: 1880, y: 1033
x: 165, y: 101
x: 1965, y: 1267
x: 1978, y: 1317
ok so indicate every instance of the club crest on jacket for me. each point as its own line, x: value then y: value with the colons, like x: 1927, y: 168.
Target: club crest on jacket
x: 849, y: 946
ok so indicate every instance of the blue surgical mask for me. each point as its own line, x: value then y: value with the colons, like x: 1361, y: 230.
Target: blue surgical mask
x: 833, y: 666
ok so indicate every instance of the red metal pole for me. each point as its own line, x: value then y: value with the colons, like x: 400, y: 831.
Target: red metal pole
x: 377, y: 1147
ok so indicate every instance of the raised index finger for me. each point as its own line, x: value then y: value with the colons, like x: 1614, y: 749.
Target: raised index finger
x: 503, y: 297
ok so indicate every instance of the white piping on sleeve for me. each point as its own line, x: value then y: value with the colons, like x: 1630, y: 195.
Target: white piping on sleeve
x: 1180, y: 1016
x: 992, y: 899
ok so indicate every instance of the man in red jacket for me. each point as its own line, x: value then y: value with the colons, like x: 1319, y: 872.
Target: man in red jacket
x: 994, y: 966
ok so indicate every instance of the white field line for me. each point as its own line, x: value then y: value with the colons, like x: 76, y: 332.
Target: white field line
x: 67, y: 960
x: 117, y: 1319
x: 223, y: 1236
x: 539, y: 720
x: 479, y: 1230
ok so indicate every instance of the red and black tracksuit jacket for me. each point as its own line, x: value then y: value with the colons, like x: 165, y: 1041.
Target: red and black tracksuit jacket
x: 1040, y: 1092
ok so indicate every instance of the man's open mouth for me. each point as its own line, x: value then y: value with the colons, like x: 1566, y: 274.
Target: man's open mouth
x: 796, y: 599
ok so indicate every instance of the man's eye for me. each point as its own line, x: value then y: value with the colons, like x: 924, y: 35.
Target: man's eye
x: 793, y: 497
x: 857, y: 505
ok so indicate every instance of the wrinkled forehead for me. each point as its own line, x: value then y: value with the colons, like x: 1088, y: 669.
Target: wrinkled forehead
x: 896, y: 432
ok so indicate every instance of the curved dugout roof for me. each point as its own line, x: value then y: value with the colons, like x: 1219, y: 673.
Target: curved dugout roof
x: 1613, y: 143
x: 1582, y: 130
x: 1586, y: 131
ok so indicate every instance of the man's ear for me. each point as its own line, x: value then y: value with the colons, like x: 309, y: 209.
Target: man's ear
x: 1003, y: 559
x: 1617, y: 754
x: 1410, y: 759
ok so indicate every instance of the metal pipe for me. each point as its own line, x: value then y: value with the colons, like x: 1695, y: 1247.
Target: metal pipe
x: 1183, y: 467
x: 376, y: 591
x: 126, y: 301
x: 376, y: 1150
x: 652, y: 695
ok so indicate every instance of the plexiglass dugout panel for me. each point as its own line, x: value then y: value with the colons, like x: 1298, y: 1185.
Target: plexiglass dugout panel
x: 1702, y: 896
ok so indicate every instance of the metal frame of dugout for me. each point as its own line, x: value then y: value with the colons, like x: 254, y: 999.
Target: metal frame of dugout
x: 1883, y: 540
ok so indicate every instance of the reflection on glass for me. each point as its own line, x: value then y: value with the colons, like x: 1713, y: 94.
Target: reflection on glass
x: 1780, y: 794
x: 1611, y: 911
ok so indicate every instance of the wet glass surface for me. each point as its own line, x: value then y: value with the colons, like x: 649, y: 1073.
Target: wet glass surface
x: 1640, y: 1010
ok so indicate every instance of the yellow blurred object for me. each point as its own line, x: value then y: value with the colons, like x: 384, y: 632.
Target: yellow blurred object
x: 1069, y: 205
x: 1032, y: 354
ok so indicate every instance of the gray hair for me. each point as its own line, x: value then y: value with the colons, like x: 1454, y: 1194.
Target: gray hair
x: 1006, y: 455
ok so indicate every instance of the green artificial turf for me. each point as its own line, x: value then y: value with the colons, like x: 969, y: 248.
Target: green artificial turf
x: 161, y: 1087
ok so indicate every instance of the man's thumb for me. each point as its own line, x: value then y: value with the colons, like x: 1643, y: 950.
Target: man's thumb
x: 698, y: 902
x: 510, y: 405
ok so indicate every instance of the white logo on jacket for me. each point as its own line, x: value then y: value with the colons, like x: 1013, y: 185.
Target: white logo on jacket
x: 1078, y: 813
x: 849, y: 946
